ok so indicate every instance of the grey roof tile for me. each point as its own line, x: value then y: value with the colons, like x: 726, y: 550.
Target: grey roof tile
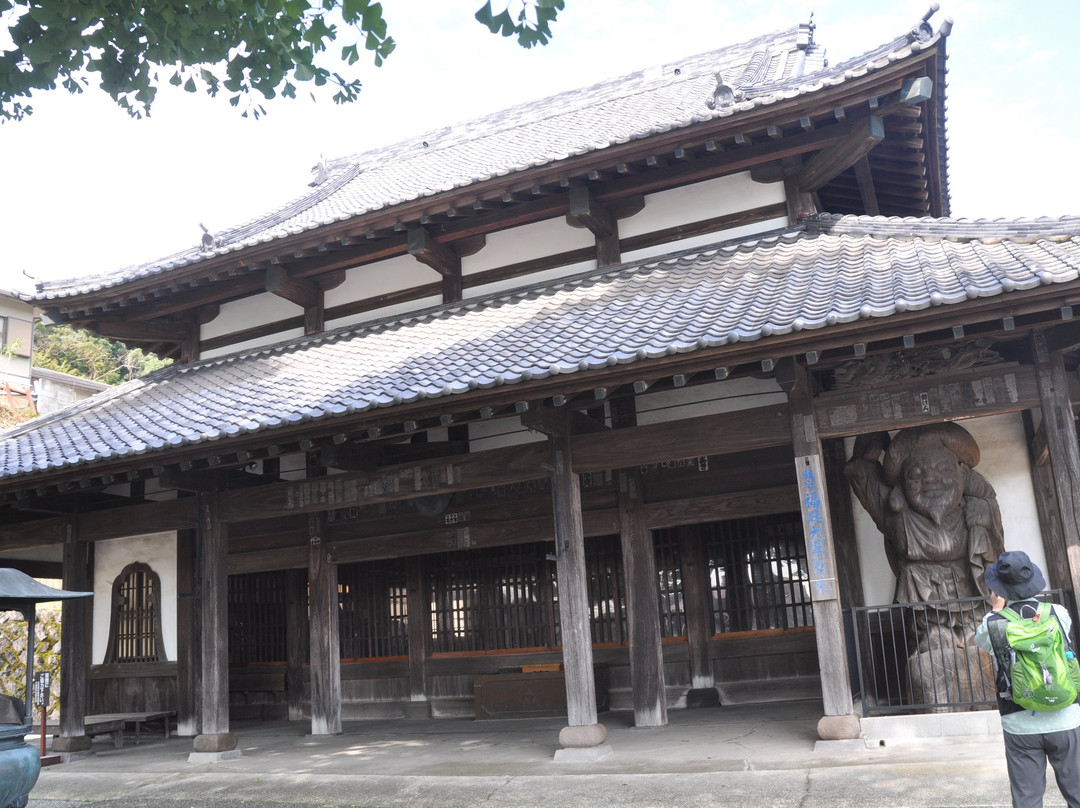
x: 781, y: 65
x: 829, y: 270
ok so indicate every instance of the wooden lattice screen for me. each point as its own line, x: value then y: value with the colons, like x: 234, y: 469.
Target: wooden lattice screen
x: 758, y: 573
x: 135, y: 627
x: 257, y: 609
x: 492, y: 600
x: 374, y: 610
x: 669, y: 581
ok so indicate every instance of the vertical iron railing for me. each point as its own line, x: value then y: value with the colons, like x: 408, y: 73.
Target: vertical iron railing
x: 890, y: 640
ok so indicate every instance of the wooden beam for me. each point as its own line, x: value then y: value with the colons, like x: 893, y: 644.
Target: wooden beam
x: 927, y: 399
x: 866, y: 187
x: 300, y: 291
x: 837, y: 158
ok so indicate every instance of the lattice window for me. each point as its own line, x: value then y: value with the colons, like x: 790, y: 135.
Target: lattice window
x: 374, y: 620
x: 669, y: 583
x: 257, y: 616
x: 135, y: 627
x: 758, y: 573
x: 607, y: 592
x: 492, y: 600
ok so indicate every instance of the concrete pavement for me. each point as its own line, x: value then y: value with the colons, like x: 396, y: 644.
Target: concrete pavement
x: 750, y: 755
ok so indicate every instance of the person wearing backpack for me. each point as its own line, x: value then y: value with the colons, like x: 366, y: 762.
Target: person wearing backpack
x: 1048, y: 727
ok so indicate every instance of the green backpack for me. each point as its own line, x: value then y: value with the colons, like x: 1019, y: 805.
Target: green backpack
x: 1039, y: 666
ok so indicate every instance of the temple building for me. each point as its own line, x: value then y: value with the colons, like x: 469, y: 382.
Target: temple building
x: 562, y: 410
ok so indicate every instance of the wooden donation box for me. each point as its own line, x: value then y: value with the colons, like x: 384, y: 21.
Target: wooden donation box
x: 531, y: 691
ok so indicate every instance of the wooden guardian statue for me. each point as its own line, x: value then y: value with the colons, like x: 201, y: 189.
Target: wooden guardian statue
x: 942, y: 528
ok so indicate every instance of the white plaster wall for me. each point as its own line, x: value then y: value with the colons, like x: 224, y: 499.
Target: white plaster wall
x: 700, y: 201
x: 1004, y: 463
x: 707, y: 399
x: 517, y: 244
x: 158, y: 551
x: 249, y: 312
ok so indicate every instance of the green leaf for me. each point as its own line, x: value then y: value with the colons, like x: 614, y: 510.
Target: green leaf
x: 304, y: 72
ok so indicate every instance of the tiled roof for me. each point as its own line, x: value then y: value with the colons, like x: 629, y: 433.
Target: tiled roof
x: 763, y: 71
x: 825, y: 271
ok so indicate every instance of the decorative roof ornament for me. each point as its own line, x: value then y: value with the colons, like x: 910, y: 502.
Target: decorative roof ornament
x: 725, y: 95
x: 922, y: 30
x: 319, y: 173
x: 209, y: 240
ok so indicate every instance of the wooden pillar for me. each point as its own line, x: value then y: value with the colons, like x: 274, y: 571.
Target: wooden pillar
x: 76, y: 634
x: 419, y: 606
x: 699, y: 628
x: 297, y: 634
x: 839, y: 721
x: 642, y: 606
x: 325, y: 634
x: 583, y: 731
x: 188, y: 638
x: 1059, y: 427
x: 846, y: 545
x: 214, y: 737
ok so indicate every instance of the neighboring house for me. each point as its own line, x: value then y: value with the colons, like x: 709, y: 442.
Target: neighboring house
x: 54, y: 390
x: 16, y: 344
x: 572, y: 384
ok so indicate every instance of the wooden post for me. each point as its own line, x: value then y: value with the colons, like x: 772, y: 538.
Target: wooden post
x: 76, y: 634
x: 188, y: 639
x: 214, y: 738
x: 699, y: 628
x: 325, y: 636
x: 1060, y: 429
x: 839, y: 721
x: 419, y: 606
x: 583, y: 731
x: 642, y: 606
x: 297, y: 635
x: 846, y: 544
x: 1046, y: 505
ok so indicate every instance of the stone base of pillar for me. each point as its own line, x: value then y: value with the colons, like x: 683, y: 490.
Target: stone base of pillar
x: 582, y: 737
x: 214, y: 757
x: 699, y: 697
x: 839, y: 727
x: 74, y: 744
x: 222, y: 742
x: 418, y: 709
x: 582, y: 754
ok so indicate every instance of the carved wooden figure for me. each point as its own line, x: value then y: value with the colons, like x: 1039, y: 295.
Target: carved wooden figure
x: 942, y: 527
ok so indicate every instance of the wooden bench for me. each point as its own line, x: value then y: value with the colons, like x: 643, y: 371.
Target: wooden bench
x: 115, y: 723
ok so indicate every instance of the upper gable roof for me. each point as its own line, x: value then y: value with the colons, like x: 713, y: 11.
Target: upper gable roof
x: 823, y: 273
x: 780, y: 66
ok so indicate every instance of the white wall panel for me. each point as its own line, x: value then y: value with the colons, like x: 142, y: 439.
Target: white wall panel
x: 156, y: 550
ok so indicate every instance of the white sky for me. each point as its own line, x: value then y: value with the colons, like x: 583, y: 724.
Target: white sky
x: 85, y: 189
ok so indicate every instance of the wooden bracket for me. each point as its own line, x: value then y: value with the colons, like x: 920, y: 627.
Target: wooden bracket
x: 296, y: 290
x: 831, y: 161
x: 555, y: 422
x: 427, y: 250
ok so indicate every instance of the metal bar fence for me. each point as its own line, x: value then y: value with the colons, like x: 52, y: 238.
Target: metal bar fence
x: 904, y: 667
